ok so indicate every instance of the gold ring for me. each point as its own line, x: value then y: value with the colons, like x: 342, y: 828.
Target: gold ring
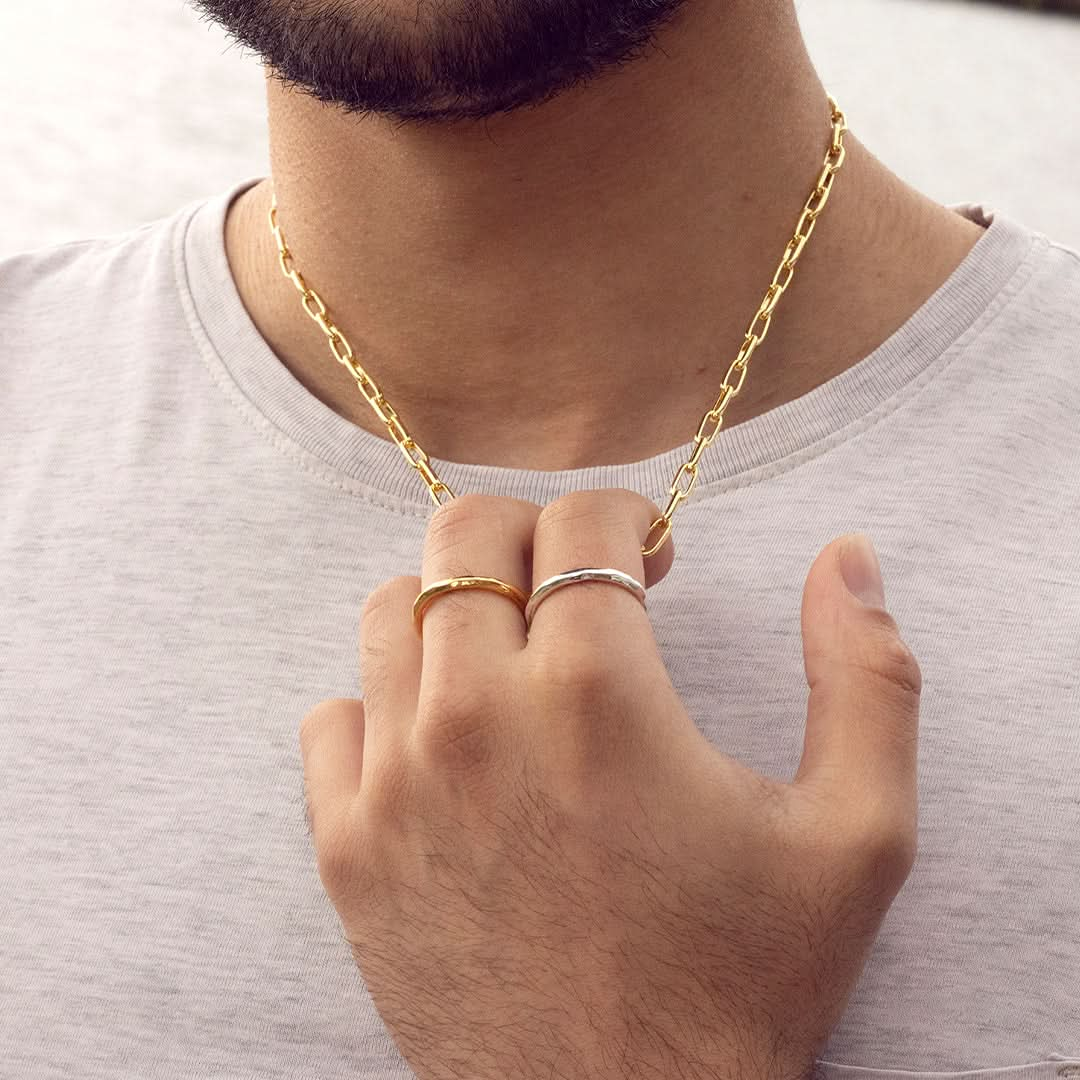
x: 449, y: 585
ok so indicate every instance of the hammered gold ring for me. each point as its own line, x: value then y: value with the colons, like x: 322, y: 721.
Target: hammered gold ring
x: 449, y: 585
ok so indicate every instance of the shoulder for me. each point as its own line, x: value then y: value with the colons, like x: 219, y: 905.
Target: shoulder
x: 1055, y: 287
x: 64, y: 279
x: 82, y: 316
x: 1043, y: 327
x: 1032, y: 325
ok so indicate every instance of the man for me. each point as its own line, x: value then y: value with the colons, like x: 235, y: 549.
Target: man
x: 589, y: 838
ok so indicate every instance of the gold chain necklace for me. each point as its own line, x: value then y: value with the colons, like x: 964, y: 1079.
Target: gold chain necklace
x: 687, y: 473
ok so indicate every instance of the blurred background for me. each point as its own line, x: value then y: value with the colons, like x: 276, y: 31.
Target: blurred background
x: 117, y: 113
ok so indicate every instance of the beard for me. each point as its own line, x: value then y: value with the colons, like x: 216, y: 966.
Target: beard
x: 445, y: 60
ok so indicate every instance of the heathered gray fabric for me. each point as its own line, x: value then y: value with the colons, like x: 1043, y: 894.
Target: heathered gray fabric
x: 188, y: 537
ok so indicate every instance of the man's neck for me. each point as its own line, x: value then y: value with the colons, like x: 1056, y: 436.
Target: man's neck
x: 566, y: 285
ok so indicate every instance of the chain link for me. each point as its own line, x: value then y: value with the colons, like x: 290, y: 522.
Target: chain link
x: 686, y: 475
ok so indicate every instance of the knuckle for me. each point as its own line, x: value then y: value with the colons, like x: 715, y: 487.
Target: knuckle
x: 583, y: 510
x: 579, y: 678
x: 338, y: 858
x: 591, y: 716
x: 861, y: 852
x: 883, y: 849
x: 455, y: 524
x: 886, y: 656
x: 391, y: 598
x: 385, y: 790
x: 455, y: 729
x: 319, y: 718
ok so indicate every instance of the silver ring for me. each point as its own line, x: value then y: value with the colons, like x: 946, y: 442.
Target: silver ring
x: 572, y: 577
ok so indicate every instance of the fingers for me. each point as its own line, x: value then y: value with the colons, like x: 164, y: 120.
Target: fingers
x: 473, y: 535
x: 484, y: 536
x: 863, y: 709
x: 465, y: 633
x: 391, y: 659
x: 599, y: 529
x: 332, y: 744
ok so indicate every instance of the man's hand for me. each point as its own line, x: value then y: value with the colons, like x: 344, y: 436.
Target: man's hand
x: 546, y: 870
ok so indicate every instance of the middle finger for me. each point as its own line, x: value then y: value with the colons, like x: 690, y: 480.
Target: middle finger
x: 476, y: 536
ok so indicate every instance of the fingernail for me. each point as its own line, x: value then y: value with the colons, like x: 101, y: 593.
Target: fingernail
x: 860, y: 570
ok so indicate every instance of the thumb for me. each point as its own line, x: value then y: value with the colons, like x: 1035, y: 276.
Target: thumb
x: 863, y: 710
x: 332, y: 744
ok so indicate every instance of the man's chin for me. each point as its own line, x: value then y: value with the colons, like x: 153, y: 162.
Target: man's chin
x: 440, y: 67
x: 446, y: 109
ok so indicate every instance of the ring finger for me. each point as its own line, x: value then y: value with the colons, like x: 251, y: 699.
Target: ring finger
x: 595, y: 529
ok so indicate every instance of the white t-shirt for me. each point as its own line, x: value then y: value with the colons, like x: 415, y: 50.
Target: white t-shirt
x: 186, y: 542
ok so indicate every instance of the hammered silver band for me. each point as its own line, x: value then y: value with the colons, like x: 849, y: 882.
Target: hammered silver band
x: 573, y: 577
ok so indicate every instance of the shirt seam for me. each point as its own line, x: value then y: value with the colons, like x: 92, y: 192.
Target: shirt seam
x: 258, y: 420
x: 1000, y: 302
x: 1072, y: 252
x: 997, y: 304
x: 980, y: 1071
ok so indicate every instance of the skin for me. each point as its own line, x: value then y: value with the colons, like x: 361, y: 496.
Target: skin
x: 547, y: 256
x: 565, y: 285
x: 542, y: 865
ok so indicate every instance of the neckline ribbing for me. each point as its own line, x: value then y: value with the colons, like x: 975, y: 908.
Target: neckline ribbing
x: 243, y: 363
